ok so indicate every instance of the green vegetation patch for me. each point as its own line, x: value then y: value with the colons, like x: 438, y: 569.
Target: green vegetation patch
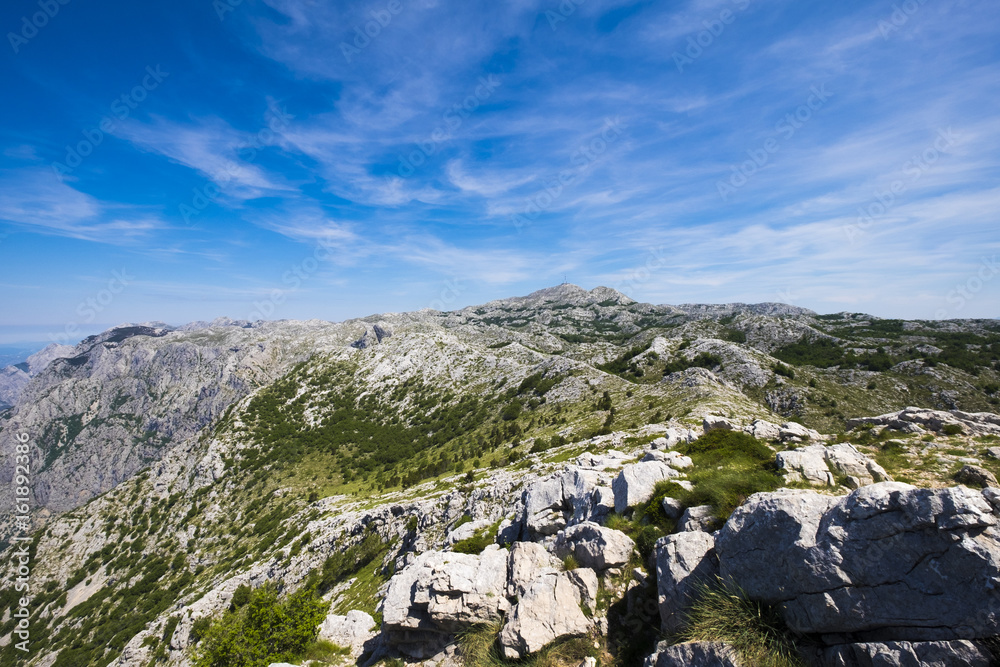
x: 264, y: 630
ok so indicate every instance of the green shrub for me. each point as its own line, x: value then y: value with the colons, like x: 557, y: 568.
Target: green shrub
x: 952, y: 429
x: 265, y: 630
x: 783, y: 370
x: 570, y: 563
x: 723, y: 613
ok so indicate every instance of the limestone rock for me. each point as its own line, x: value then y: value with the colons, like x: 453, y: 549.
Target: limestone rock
x: 959, y: 653
x: 573, y: 495
x: 549, y: 609
x: 682, y: 561
x: 763, y: 430
x: 440, y: 594
x: 594, y: 546
x: 694, y: 654
x: 976, y: 477
x: 795, y: 432
x: 717, y: 423
x: 672, y: 458
x: 701, y: 518
x: 352, y: 631
x: 635, y: 483
x: 673, y: 508
x: 905, y: 563
x: 528, y: 561
x: 814, y: 463
x: 974, y: 423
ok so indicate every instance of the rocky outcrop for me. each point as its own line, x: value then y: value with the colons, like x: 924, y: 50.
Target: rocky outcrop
x: 552, y: 607
x: 528, y: 561
x: 694, y: 654
x: 672, y: 458
x: 594, y: 546
x: 356, y: 631
x: 441, y: 594
x: 976, y: 477
x: 373, y: 335
x: 905, y: 654
x: 973, y: 423
x: 763, y: 430
x: 818, y: 464
x: 571, y: 496
x: 717, y: 423
x: 889, y: 560
x: 683, y: 562
x: 636, y: 482
x: 701, y: 518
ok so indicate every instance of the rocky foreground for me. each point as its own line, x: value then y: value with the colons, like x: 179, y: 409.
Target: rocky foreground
x: 888, y: 574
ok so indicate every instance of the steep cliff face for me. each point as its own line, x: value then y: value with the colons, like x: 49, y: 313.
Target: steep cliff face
x: 124, y: 398
x: 185, y: 462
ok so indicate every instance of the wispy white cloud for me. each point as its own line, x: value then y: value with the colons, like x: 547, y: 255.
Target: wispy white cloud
x: 36, y: 199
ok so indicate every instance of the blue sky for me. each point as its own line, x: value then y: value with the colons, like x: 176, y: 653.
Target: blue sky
x: 186, y: 160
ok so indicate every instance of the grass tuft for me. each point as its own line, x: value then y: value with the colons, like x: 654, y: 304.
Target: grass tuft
x: 723, y: 613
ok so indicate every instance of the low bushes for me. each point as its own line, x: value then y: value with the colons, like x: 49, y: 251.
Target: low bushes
x: 263, y: 631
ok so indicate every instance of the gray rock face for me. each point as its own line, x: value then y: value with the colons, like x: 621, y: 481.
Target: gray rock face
x: 576, y: 494
x: 672, y: 458
x: 130, y: 394
x: 974, y: 423
x: 813, y: 464
x: 683, y: 560
x: 594, y: 546
x: 905, y: 654
x: 701, y: 518
x: 717, y: 423
x: 694, y: 654
x: 549, y: 609
x: 763, y: 430
x: 636, y: 482
x: 976, y: 477
x: 888, y: 559
x: 673, y: 508
x: 795, y: 432
x: 528, y: 561
x: 352, y: 631
x: 440, y: 594
x: 13, y: 380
